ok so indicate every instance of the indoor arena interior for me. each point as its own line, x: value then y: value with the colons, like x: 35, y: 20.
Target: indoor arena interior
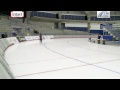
x: 60, y: 45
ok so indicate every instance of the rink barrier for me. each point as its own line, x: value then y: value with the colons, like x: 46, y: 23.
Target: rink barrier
x: 5, y: 72
x: 27, y: 38
x: 74, y: 36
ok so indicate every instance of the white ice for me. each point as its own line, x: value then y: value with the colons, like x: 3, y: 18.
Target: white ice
x: 73, y: 58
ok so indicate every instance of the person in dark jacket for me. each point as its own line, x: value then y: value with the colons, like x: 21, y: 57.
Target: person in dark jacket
x: 90, y: 38
x: 23, y: 20
x: 14, y: 34
x: 40, y: 37
x: 99, y: 36
x: 4, y: 35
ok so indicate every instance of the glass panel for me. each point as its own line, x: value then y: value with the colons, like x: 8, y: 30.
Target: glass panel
x: 35, y: 13
x: 112, y: 18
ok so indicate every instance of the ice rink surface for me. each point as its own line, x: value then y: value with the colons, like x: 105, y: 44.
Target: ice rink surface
x: 73, y: 58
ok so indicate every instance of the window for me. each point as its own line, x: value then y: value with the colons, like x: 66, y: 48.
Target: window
x: 96, y: 19
x: 92, y: 18
x: 79, y: 18
x: 39, y: 14
x: 75, y: 17
x: 83, y: 17
x: 100, y: 19
x: 62, y: 16
x: 65, y: 16
x: 48, y: 15
x: 69, y: 17
x: 116, y: 17
x: 112, y: 18
x: 108, y: 19
x: 35, y: 13
x: 104, y: 19
x: 54, y: 15
x: 72, y: 17
x: 31, y: 14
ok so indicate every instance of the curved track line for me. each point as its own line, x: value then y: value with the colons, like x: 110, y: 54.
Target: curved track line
x: 81, y: 61
x: 68, y: 67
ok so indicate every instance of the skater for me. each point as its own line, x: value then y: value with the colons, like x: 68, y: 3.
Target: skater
x: 40, y: 37
x: 99, y: 37
x: 23, y: 20
x: 90, y: 39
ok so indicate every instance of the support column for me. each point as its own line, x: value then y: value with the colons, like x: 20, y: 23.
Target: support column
x: 88, y: 24
x: 59, y: 17
x: 28, y: 16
